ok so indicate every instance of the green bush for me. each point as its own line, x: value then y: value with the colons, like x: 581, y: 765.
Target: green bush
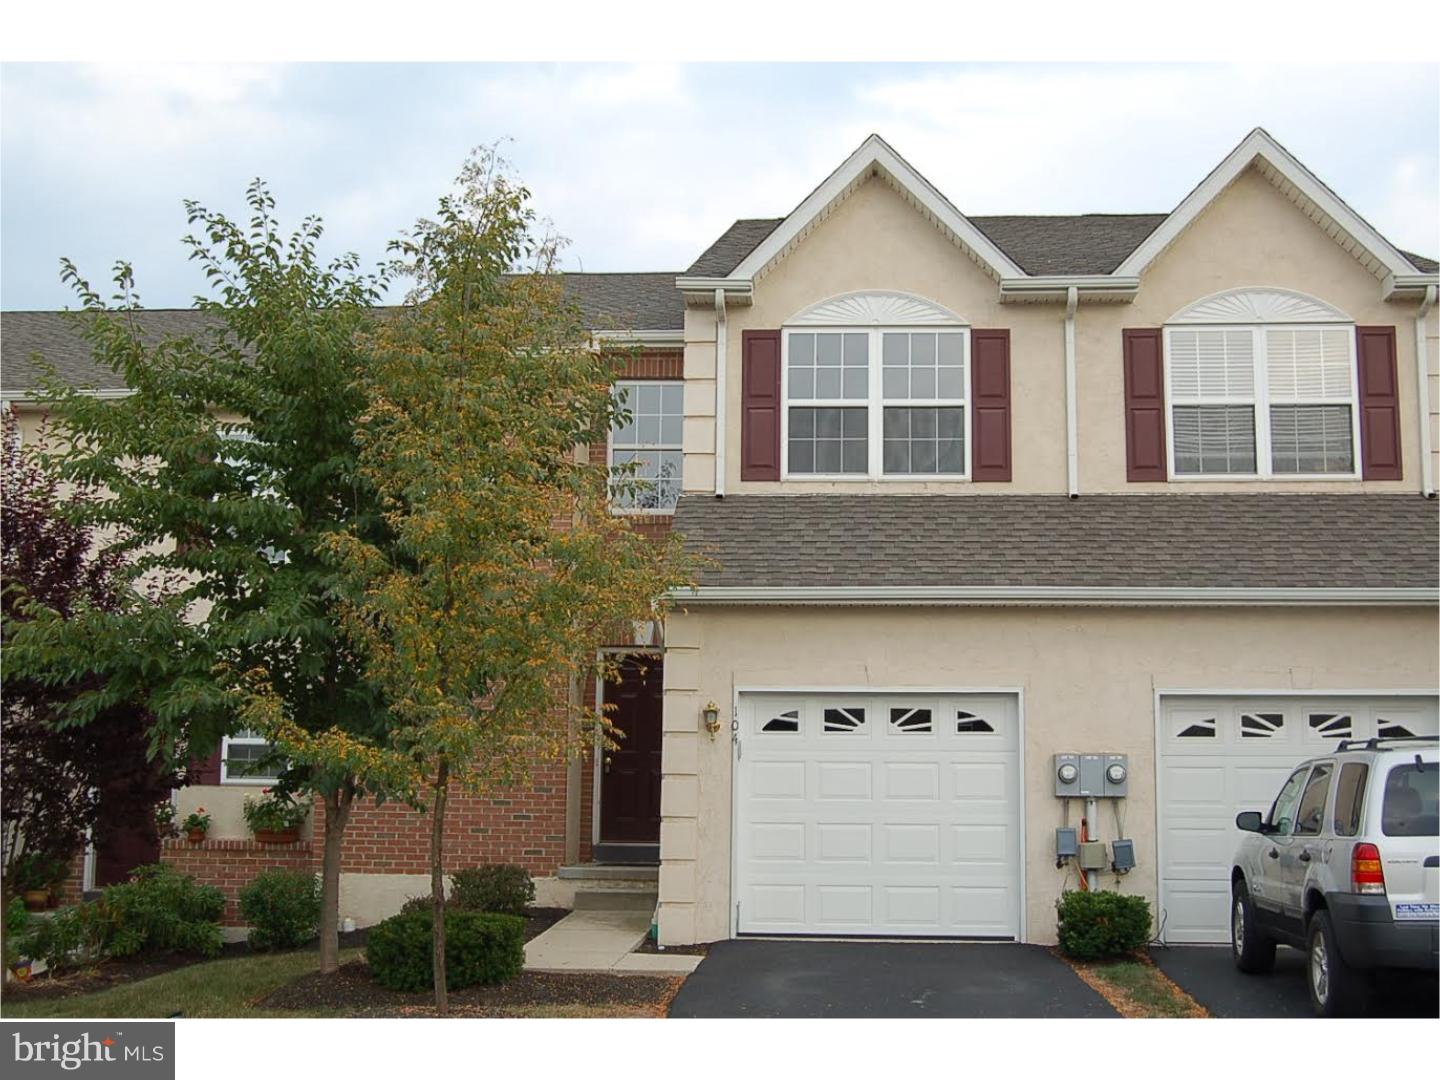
x: 419, y: 904
x: 1099, y: 925
x: 17, y: 931
x: 480, y: 948
x: 502, y: 889
x: 70, y: 937
x: 282, y: 908
x: 161, y: 910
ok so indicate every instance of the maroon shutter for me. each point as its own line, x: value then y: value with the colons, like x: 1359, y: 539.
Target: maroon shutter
x: 206, y: 770
x: 759, y: 405
x: 990, y: 388
x: 1144, y: 406
x: 1379, y: 403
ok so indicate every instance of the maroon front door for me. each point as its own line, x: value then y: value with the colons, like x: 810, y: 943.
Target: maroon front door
x: 630, y: 776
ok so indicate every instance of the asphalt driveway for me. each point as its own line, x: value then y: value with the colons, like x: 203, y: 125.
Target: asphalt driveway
x: 883, y: 979
x: 1206, y: 973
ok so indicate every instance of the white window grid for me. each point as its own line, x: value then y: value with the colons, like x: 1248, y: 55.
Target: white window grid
x: 248, y: 738
x: 677, y: 446
x: 1260, y: 397
x: 874, y: 403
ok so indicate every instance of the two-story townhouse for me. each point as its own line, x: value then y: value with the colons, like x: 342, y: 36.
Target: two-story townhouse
x: 604, y: 809
x: 1142, y: 489
x: 979, y: 492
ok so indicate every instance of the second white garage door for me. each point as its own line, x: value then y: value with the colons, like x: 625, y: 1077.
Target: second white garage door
x: 878, y: 814
x: 1219, y: 756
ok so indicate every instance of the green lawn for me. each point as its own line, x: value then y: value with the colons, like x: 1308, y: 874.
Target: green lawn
x: 1138, y: 990
x: 219, y: 988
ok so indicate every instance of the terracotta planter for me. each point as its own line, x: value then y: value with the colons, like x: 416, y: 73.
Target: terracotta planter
x: 35, y: 899
x: 195, y: 836
x: 277, y: 836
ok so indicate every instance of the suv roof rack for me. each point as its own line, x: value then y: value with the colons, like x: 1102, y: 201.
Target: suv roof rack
x: 1384, y: 743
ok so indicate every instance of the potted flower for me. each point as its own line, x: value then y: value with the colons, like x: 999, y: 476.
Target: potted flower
x: 165, y: 820
x: 36, y: 874
x: 276, y: 818
x: 196, y: 824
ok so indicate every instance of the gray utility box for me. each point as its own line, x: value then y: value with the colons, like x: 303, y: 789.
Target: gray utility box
x: 1088, y: 776
x: 1067, y: 775
x: 1116, y: 776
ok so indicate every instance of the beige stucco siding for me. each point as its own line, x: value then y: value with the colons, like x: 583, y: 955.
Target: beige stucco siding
x: 1251, y: 235
x: 1088, y: 677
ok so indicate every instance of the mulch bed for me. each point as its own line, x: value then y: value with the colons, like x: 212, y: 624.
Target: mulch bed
x: 649, y: 946
x: 353, y: 991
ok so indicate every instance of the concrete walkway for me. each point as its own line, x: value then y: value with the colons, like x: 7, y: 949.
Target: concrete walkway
x: 602, y: 941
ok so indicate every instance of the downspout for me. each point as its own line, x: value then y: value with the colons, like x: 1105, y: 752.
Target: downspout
x: 1422, y: 394
x: 721, y: 362
x: 1072, y: 453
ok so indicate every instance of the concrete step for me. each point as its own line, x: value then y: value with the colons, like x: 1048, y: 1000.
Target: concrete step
x: 616, y: 896
x: 590, y: 872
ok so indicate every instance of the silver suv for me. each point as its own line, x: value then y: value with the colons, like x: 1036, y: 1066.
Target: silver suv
x: 1346, y: 865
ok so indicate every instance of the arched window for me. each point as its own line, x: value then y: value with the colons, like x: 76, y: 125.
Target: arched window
x: 876, y: 385
x: 1262, y: 383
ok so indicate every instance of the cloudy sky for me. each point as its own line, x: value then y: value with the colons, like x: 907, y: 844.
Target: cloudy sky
x: 642, y: 166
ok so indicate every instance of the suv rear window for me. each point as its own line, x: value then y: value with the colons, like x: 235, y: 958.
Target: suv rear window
x: 1412, y: 801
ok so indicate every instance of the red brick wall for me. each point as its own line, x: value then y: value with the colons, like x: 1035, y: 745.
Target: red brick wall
x: 230, y: 865
x: 525, y: 826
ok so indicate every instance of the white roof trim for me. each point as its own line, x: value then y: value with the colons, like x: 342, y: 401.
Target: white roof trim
x: 876, y: 309
x: 1292, y: 177
x: 1044, y: 595
x: 1259, y: 305
x: 876, y: 153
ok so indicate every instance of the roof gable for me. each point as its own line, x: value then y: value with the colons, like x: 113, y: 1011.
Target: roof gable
x: 1300, y: 185
x: 874, y: 158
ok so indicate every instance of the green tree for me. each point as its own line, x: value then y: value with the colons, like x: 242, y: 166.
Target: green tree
x: 227, y: 469
x: 508, y: 572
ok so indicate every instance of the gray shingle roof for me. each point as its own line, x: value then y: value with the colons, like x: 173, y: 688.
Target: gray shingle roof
x: 734, y: 244
x: 1423, y: 264
x: 1038, y: 243
x: 647, y: 301
x: 1187, y: 540
x: 1075, y: 244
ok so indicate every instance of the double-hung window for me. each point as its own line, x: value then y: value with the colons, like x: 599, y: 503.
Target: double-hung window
x: 1262, y: 401
x: 876, y: 403
x: 246, y: 757
x: 650, y: 437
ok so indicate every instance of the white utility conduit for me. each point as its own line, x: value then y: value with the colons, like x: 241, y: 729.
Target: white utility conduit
x: 721, y: 361
x: 1422, y: 394
x: 1072, y: 440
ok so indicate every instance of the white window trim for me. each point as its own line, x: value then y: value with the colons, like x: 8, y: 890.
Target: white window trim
x: 645, y: 511
x: 242, y: 740
x: 1259, y: 399
x: 874, y: 402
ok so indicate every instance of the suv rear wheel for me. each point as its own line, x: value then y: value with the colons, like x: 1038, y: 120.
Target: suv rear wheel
x: 1336, y: 989
x: 1251, y: 948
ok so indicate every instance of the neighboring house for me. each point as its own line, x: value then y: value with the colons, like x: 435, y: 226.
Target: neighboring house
x: 981, y: 491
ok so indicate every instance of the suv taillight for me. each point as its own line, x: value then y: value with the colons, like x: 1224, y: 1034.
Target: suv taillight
x: 1366, y: 873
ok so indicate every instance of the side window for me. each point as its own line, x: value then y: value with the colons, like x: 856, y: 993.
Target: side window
x: 1282, y: 814
x: 1310, y: 818
x: 1350, y: 798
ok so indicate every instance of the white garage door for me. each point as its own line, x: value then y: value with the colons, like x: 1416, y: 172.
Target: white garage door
x: 1219, y: 756
x: 882, y: 814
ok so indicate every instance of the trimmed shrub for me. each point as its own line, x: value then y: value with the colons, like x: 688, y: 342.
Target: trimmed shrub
x: 502, y: 889
x: 70, y: 937
x: 162, y: 910
x: 282, y: 908
x: 480, y: 948
x: 1100, y: 925
x: 420, y: 905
